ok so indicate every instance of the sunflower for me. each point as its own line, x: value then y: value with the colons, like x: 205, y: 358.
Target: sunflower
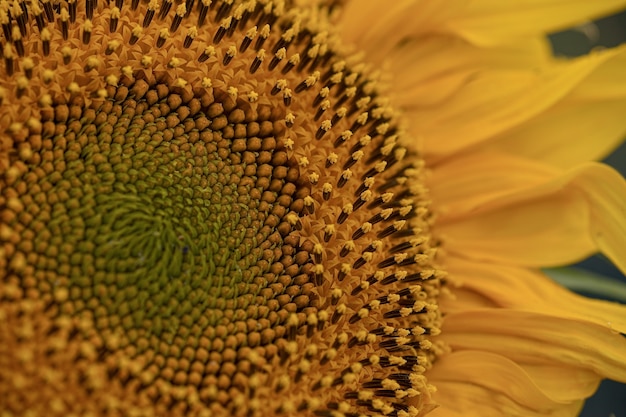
x: 259, y: 207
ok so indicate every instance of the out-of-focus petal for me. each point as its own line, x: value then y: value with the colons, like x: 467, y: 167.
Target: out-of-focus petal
x: 547, y: 231
x: 586, y: 125
x: 554, y: 223
x: 429, y: 69
x: 460, y: 185
x: 506, y: 387
x: 599, y: 128
x: 521, y: 288
x: 483, y: 22
x: 538, y: 338
x: 467, y: 400
x: 492, y: 102
x: 488, y: 22
x: 388, y: 26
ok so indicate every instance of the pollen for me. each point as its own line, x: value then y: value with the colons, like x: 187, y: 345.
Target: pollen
x: 206, y: 209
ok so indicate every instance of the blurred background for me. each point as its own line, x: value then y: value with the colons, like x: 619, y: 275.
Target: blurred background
x: 610, y: 400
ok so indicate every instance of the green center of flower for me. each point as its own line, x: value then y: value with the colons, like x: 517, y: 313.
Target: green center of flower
x: 170, y: 220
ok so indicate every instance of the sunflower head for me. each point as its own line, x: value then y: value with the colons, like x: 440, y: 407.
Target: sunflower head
x: 206, y: 209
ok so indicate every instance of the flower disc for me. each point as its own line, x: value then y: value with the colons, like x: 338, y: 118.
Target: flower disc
x: 206, y: 209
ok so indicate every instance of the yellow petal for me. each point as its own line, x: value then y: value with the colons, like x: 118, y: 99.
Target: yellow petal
x: 536, y: 338
x: 607, y: 81
x: 460, y: 185
x: 429, y: 69
x: 521, y: 288
x: 544, y: 231
x: 459, y: 399
x: 509, y: 389
x: 494, y: 101
x: 483, y: 22
x: 459, y: 95
x: 605, y: 190
x: 465, y: 299
x: 488, y: 22
x: 491, y: 371
x: 563, y: 383
x: 389, y: 24
x: 586, y: 125
x: 555, y: 223
x: 570, y: 134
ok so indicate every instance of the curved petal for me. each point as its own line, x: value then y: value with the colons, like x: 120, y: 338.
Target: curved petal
x: 508, y: 387
x: 491, y: 371
x: 607, y: 82
x: 545, y: 231
x: 488, y: 22
x: 599, y: 128
x: 429, y: 69
x: 483, y: 22
x: 467, y: 400
x: 536, y: 338
x: 494, y: 101
x: 563, y: 383
x: 557, y: 222
x: 459, y: 95
x: 460, y: 185
x: 605, y: 190
x: 520, y: 288
x: 389, y: 24
x: 597, y: 106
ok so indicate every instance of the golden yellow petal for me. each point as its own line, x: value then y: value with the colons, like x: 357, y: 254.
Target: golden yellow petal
x: 482, y: 22
x: 563, y: 383
x: 494, y: 101
x: 488, y: 22
x: 462, y: 184
x: 605, y: 191
x: 547, y: 231
x: 558, y: 222
x: 597, y: 106
x: 427, y: 70
x: 607, y: 81
x: 494, y: 372
x: 521, y: 288
x: 553, y: 138
x: 530, y: 337
x: 389, y: 25
x: 467, y: 400
x: 494, y: 385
